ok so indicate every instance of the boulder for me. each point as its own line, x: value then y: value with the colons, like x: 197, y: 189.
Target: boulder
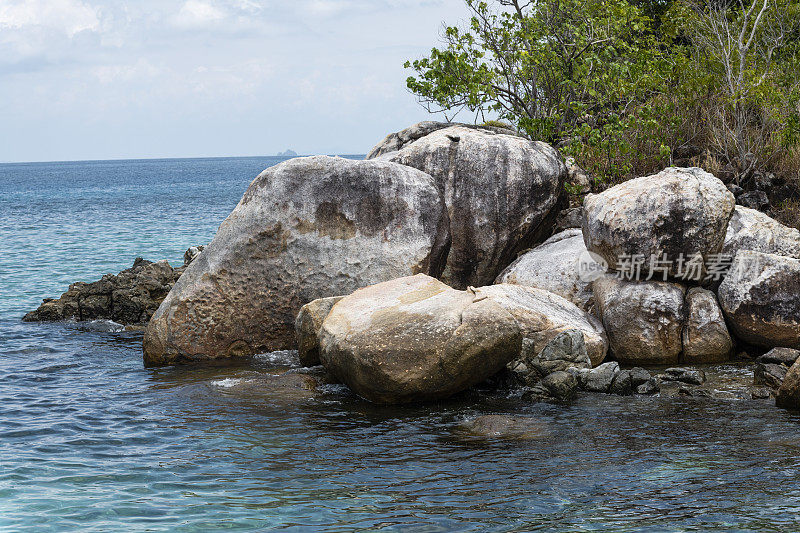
x: 600, y: 379
x: 769, y: 375
x: 754, y: 200
x: 684, y: 375
x: 569, y: 218
x: 308, y: 228
x: 501, y: 193
x: 759, y: 297
x: 651, y: 386
x: 643, y: 320
x: 622, y: 384
x: 415, y: 339
x: 679, y: 212
x: 557, y: 265
x: 307, y: 325
x: 542, y: 315
x: 705, y: 335
x: 565, y: 350
x: 558, y: 386
x: 788, y: 395
x: 780, y: 356
x: 129, y: 298
x: 752, y: 230
x: 396, y: 141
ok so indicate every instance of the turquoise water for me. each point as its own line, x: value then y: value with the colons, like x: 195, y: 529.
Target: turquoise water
x: 92, y: 441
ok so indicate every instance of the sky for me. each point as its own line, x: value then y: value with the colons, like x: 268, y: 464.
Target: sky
x: 116, y: 79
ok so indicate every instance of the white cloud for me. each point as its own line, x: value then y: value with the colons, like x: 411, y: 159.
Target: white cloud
x: 67, y: 16
x: 198, y: 14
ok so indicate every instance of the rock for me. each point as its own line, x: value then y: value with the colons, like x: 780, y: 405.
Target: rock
x: 788, y: 191
x: 129, y: 298
x: 561, y: 385
x: 570, y: 218
x: 577, y: 177
x: 694, y: 393
x: 685, y: 375
x: 415, y: 339
x: 191, y: 254
x: 622, y: 384
x: 505, y: 427
x: 307, y: 326
x: 567, y: 349
x: 769, y: 374
x: 542, y: 315
x: 396, y: 141
x: 643, y: 320
x: 735, y: 189
x: 705, y: 335
x: 788, y: 395
x: 559, y: 265
x: 752, y: 230
x: 679, y: 212
x: 754, y: 200
x: 780, y: 356
x: 501, y: 193
x: 600, y: 379
x: 651, y: 386
x: 639, y: 376
x: 759, y: 297
x: 308, y: 228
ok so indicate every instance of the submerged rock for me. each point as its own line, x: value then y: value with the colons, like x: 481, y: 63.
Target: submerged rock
x: 308, y: 228
x: 643, y: 320
x: 555, y: 266
x: 705, y: 335
x: 499, y: 190
x: 677, y: 212
x: 505, y: 427
x: 759, y: 297
x: 415, y: 339
x: 129, y: 298
x: 307, y: 326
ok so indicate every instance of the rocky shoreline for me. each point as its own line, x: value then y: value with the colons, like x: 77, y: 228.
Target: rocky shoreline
x: 447, y: 260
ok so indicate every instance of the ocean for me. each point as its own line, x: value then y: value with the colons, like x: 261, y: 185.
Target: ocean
x: 90, y: 440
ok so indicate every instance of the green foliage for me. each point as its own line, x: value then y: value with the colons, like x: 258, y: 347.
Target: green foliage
x: 624, y: 85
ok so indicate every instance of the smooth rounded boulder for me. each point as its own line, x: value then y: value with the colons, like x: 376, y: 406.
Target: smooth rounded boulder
x: 307, y: 326
x: 308, y: 228
x: 415, y: 339
x: 543, y: 315
x: 753, y: 230
x: 679, y: 212
x: 500, y: 191
x: 760, y: 297
x: 705, y: 335
x: 643, y: 320
x: 560, y: 265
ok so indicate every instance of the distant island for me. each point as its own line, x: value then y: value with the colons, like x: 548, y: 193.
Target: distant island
x: 287, y: 153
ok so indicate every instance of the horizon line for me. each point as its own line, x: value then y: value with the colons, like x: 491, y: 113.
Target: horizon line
x: 122, y: 159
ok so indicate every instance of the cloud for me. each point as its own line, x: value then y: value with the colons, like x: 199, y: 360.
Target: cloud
x: 65, y: 16
x: 198, y: 14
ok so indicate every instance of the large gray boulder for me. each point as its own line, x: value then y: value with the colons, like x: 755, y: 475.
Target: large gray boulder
x: 415, y: 339
x: 760, y: 297
x: 705, y: 335
x: 396, y: 141
x: 555, y: 266
x: 643, y: 320
x: 677, y: 212
x: 543, y: 315
x: 501, y: 192
x: 308, y: 228
x: 753, y: 230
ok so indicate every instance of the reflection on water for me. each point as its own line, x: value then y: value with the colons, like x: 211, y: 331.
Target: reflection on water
x: 91, y: 440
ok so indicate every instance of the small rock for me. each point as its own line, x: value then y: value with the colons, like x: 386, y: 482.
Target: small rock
x: 639, y: 376
x: 651, y: 386
x: 735, y: 189
x: 780, y: 356
x: 599, y: 379
x: 622, y: 384
x: 569, y: 219
x: 757, y: 200
x: 694, y: 393
x: 561, y: 385
x: 769, y: 374
x: 307, y: 326
x: 191, y: 254
x: 685, y: 375
x: 565, y: 350
x: 760, y: 393
x: 788, y: 395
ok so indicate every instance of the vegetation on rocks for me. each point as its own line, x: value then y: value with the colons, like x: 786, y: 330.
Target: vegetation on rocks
x: 629, y: 87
